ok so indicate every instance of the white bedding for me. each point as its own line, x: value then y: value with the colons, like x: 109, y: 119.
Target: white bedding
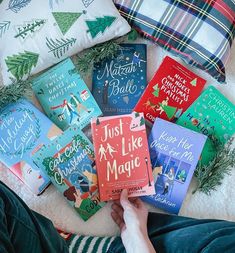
x: 219, y: 205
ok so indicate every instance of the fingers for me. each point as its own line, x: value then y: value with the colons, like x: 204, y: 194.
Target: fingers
x: 118, y: 209
x: 118, y: 220
x: 124, y: 199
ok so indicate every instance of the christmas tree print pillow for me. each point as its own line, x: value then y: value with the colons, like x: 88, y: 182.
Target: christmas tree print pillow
x: 35, y: 35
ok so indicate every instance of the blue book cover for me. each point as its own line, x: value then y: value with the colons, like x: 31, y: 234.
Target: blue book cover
x: 69, y: 162
x: 119, y: 82
x: 24, y: 130
x: 174, y: 153
x: 65, y: 97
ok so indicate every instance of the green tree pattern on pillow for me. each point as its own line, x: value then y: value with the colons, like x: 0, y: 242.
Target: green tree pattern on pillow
x: 59, y: 47
x: 4, y: 26
x: 21, y: 64
x: 99, y: 25
x: 66, y: 19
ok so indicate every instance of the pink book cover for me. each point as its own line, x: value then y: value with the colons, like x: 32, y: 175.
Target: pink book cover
x: 122, y: 156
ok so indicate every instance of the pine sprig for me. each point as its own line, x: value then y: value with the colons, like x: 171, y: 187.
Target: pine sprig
x: 13, y: 92
x: 209, y: 177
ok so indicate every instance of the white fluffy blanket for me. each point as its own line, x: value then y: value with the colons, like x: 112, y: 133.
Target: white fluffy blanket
x: 219, y: 205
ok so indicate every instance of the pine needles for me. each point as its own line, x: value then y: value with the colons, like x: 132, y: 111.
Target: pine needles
x: 211, y: 176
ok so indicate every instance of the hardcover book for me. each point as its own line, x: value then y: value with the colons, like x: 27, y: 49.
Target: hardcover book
x: 65, y: 97
x: 118, y: 82
x: 212, y: 114
x: 69, y: 162
x: 122, y: 156
x: 170, y: 92
x: 23, y: 130
x: 174, y: 153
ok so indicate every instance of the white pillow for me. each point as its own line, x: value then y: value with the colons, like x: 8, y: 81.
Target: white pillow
x: 35, y: 35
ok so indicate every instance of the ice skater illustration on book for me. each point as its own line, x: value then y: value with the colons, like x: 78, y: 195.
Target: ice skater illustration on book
x: 105, y: 92
x: 102, y: 152
x: 136, y: 59
x: 111, y: 150
x: 75, y: 102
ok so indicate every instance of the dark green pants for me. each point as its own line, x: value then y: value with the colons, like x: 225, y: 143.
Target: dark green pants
x: 25, y: 231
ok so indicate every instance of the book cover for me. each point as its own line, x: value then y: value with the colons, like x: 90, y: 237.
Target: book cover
x: 23, y: 130
x: 69, y: 162
x: 122, y: 156
x: 65, y: 97
x: 212, y: 114
x: 170, y: 92
x: 174, y: 153
x: 119, y: 82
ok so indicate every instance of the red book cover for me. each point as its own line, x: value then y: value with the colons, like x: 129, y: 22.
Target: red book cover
x: 170, y: 92
x: 122, y: 156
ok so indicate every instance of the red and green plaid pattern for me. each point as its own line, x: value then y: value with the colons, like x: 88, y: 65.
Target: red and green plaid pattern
x: 201, y: 32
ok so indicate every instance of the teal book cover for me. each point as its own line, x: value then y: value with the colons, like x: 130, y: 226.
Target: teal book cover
x: 65, y: 97
x: 69, y: 162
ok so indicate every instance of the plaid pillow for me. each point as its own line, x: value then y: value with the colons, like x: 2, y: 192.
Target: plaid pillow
x: 201, y: 32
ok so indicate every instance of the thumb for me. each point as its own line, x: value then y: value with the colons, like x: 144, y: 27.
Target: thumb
x: 124, y: 199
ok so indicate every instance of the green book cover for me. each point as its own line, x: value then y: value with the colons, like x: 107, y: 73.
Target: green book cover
x: 212, y: 114
x: 69, y: 162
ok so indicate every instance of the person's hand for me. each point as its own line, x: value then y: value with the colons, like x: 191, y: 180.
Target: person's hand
x: 131, y: 217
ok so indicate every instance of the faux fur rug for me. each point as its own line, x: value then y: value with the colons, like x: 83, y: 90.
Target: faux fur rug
x: 219, y: 205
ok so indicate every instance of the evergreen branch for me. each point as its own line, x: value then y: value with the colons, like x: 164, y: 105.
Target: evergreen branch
x: 17, y: 5
x: 4, y: 26
x: 210, y: 176
x: 59, y: 47
x: 14, y: 91
x: 100, y: 52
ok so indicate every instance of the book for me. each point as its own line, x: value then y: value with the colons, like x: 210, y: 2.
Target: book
x: 212, y: 114
x: 23, y: 130
x: 119, y: 81
x: 65, y: 97
x: 122, y: 156
x: 69, y: 162
x: 170, y: 92
x: 174, y: 153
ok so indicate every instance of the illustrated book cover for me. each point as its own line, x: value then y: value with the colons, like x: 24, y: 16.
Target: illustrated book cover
x: 170, y: 92
x: 212, y: 114
x: 69, y: 162
x: 122, y: 156
x: 65, y: 97
x: 23, y: 130
x: 174, y: 153
x: 119, y: 82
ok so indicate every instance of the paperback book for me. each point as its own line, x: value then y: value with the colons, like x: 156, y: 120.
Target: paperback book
x: 69, y: 162
x: 174, y: 153
x: 171, y: 91
x: 118, y: 82
x: 24, y: 130
x: 212, y: 114
x: 122, y: 156
x: 65, y: 97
